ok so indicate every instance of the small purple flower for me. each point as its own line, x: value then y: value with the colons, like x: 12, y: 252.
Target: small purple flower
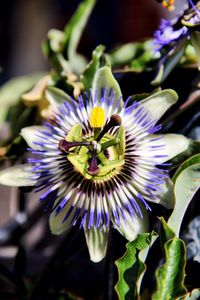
x: 172, y: 31
x: 168, y: 33
x: 173, y: 36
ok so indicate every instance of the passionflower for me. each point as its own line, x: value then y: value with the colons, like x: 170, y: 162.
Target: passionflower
x: 180, y: 27
x: 98, y: 162
x: 173, y: 36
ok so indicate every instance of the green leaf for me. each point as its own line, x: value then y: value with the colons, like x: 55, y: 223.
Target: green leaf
x: 166, y: 233
x: 61, y: 46
x: 125, y: 53
x: 170, y: 276
x: 73, y: 32
x: 143, y: 96
x: 184, y: 157
x: 104, y: 79
x: 130, y: 267
x: 74, y: 28
x: 142, y: 256
x: 170, y: 62
x: 17, y: 176
x: 195, y: 40
x: 11, y: 91
x: 56, y: 96
x: 187, y: 182
x: 56, y: 40
x: 195, y: 159
x: 144, y: 59
x: 88, y: 74
x: 3, y: 114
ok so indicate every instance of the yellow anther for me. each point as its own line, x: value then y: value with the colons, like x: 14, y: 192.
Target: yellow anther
x: 97, y: 118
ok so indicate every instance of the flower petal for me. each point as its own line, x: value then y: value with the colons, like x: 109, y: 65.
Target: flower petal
x: 97, y: 240
x: 166, y: 195
x: 30, y: 135
x: 56, y: 224
x: 104, y: 79
x: 131, y: 227
x: 164, y: 146
x: 160, y: 102
x: 17, y: 176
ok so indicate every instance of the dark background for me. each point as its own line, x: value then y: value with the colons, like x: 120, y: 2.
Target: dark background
x: 25, y: 23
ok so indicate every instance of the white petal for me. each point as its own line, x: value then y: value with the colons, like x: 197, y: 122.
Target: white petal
x: 130, y: 228
x: 104, y: 79
x: 166, y: 194
x: 17, y: 176
x: 170, y: 146
x: 160, y: 102
x: 97, y: 240
x: 30, y: 135
x: 56, y: 224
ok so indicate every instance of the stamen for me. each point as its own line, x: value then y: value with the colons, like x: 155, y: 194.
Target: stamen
x: 115, y: 120
x: 97, y: 118
x: 64, y: 145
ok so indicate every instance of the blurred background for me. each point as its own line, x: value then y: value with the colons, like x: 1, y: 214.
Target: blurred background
x: 25, y: 23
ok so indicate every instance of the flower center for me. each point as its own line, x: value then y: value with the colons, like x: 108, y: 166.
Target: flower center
x: 100, y: 156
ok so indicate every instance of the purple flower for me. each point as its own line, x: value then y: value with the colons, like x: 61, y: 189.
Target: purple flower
x: 172, y: 31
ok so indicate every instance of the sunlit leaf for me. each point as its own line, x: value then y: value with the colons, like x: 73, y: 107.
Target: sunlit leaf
x: 11, y: 91
x: 125, y: 53
x: 90, y: 70
x: 130, y: 267
x: 170, y: 276
x: 186, y: 183
x: 73, y: 32
x: 195, y: 39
